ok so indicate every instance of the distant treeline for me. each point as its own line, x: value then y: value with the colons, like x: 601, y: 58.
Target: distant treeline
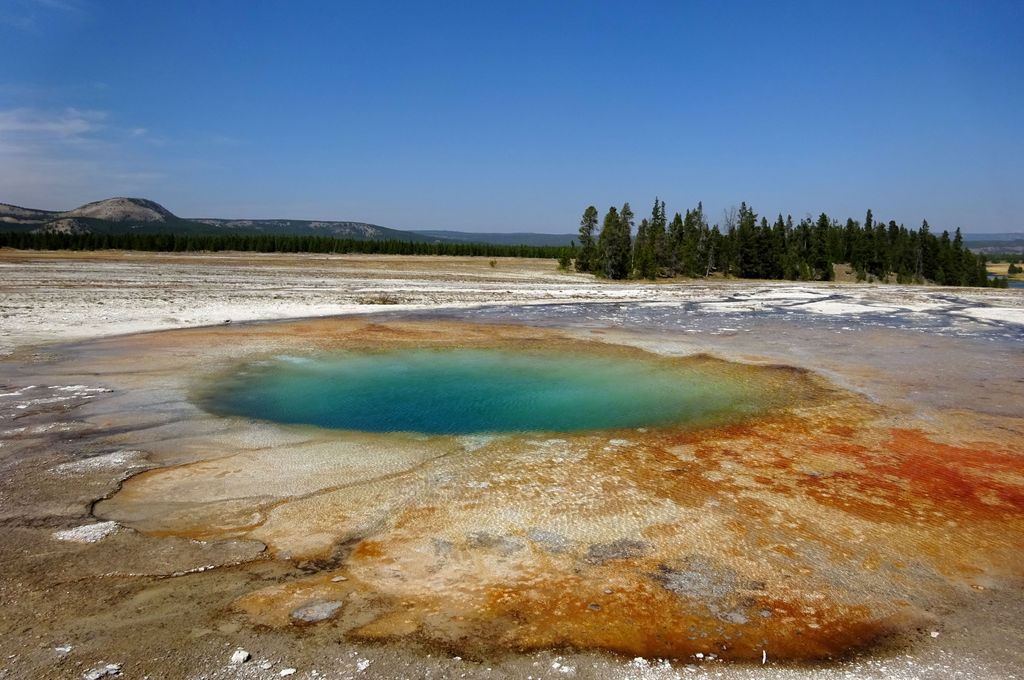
x: 185, y: 243
x: 749, y: 247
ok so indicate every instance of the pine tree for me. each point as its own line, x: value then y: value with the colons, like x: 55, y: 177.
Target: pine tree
x: 644, y: 266
x: 622, y: 246
x: 778, y: 249
x: 658, y: 237
x: 674, y: 244
x: 820, y: 261
x: 929, y: 261
x: 588, y: 250
x: 746, y: 246
x: 614, y: 243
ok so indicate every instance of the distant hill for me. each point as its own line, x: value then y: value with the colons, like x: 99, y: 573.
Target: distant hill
x: 995, y: 236
x: 353, y: 230
x: 140, y: 215
x: 512, y: 239
x: 989, y: 244
x: 121, y: 210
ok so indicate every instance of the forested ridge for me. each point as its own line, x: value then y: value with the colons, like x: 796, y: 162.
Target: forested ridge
x: 262, y: 243
x: 750, y: 247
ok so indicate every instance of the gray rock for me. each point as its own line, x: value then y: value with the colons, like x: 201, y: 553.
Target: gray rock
x: 442, y: 548
x: 622, y: 549
x: 736, y: 617
x: 317, y: 611
x: 239, y: 656
x: 549, y: 541
x: 700, y: 579
x: 501, y: 544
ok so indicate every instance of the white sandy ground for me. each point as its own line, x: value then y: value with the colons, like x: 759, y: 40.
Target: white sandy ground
x: 48, y: 298
x: 118, y: 460
x: 1014, y: 316
x: 88, y: 533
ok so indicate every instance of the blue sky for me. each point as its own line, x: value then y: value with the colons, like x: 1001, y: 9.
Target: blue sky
x: 497, y: 117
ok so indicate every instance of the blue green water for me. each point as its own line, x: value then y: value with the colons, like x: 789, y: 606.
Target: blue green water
x: 470, y: 391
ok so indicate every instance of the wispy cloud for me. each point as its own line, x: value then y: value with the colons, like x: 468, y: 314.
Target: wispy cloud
x: 66, y: 124
x: 32, y: 16
x: 72, y: 6
x: 60, y: 157
x: 226, y: 140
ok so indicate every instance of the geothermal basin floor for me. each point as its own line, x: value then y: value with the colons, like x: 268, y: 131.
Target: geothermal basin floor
x: 868, y: 525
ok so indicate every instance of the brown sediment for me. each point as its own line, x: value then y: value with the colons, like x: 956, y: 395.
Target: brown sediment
x: 810, y: 531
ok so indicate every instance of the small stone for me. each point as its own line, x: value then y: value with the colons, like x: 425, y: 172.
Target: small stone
x: 266, y: 665
x: 239, y: 656
x: 935, y: 633
x: 594, y: 607
x: 286, y: 672
x: 61, y: 650
x: 699, y: 655
x: 608, y: 591
x: 109, y: 670
x: 362, y: 665
x: 338, y: 579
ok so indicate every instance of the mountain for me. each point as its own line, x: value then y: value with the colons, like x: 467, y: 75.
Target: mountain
x: 998, y: 236
x: 12, y: 214
x: 996, y: 247
x: 112, y: 215
x: 498, y: 238
x: 140, y: 215
x: 354, y: 230
x: 992, y: 244
x: 133, y: 210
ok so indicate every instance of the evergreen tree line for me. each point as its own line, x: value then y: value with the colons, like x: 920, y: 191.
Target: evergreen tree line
x: 264, y: 243
x: 749, y: 247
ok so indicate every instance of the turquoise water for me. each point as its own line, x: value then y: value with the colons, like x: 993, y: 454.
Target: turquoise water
x: 468, y: 391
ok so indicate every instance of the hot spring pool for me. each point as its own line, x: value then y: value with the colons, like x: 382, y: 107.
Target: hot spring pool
x: 463, y: 391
